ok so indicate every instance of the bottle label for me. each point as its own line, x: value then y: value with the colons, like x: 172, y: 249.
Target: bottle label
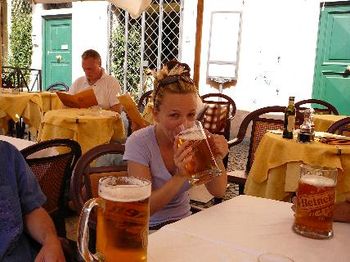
x: 291, y: 123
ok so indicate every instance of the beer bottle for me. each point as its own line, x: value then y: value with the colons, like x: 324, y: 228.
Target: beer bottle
x: 289, y: 119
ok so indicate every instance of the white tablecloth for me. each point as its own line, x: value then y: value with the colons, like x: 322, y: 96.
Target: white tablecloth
x: 22, y: 143
x: 241, y: 229
x: 17, y: 142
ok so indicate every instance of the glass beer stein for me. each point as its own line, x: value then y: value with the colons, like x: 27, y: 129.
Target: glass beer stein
x: 315, y: 202
x: 122, y: 220
x: 203, y: 166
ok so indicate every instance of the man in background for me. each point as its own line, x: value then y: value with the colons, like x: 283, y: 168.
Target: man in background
x: 106, y: 87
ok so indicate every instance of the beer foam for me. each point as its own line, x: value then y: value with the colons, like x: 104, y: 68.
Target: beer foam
x: 193, y: 133
x: 128, y: 189
x: 317, y: 181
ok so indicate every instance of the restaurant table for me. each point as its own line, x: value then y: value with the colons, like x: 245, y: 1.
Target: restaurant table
x: 240, y: 230
x: 275, y: 170
x: 86, y: 126
x: 50, y: 101
x: 26, y: 105
x: 323, y: 122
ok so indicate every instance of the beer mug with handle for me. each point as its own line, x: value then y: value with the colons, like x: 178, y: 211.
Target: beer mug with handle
x: 315, y: 202
x: 203, y: 166
x: 122, y: 220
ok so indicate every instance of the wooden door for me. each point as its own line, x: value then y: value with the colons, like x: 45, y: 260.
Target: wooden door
x: 57, y: 53
x: 333, y: 56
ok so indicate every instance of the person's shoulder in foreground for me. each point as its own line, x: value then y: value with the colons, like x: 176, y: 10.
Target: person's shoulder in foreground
x: 24, y: 224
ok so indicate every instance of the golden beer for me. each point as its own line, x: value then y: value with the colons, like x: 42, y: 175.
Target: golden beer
x: 315, y: 204
x: 202, y: 167
x: 122, y: 219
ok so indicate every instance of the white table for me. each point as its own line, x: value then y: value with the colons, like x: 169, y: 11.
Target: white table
x: 17, y: 142
x: 241, y: 229
x: 22, y: 143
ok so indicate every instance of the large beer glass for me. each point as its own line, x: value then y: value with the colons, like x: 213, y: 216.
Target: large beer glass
x: 203, y: 166
x: 122, y: 220
x: 315, y: 202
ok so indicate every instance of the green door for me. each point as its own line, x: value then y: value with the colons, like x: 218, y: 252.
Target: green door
x: 57, y: 53
x: 332, y: 58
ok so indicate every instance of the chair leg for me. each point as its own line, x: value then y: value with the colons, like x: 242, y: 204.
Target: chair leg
x: 241, y: 189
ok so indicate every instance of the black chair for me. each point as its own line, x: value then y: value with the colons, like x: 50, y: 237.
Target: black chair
x: 84, y: 182
x: 261, y: 121
x: 144, y: 99
x: 341, y: 127
x: 52, y: 162
x: 320, y: 107
x: 58, y: 86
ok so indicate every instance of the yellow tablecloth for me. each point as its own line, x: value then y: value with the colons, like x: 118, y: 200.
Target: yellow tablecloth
x: 323, y: 122
x: 267, y: 177
x: 50, y: 101
x: 26, y: 105
x: 88, y: 127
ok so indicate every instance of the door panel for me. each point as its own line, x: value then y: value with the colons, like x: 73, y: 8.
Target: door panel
x: 58, y: 51
x: 332, y: 58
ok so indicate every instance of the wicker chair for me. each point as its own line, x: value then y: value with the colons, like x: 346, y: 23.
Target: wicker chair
x: 261, y: 122
x: 53, y: 173
x: 341, y: 127
x: 86, y: 174
x: 220, y: 110
x: 319, y: 106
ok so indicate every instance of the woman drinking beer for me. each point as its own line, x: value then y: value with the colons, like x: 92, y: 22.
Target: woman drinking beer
x: 153, y: 152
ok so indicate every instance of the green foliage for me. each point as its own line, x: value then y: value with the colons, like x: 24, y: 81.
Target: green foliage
x: 20, y: 37
x: 133, y: 60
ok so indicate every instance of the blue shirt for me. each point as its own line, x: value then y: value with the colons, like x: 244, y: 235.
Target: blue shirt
x: 20, y: 194
x: 142, y: 147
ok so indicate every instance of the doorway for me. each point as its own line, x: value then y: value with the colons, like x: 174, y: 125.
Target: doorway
x: 57, y: 51
x: 331, y: 81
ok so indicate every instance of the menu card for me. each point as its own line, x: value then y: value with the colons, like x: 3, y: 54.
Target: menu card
x: 82, y: 99
x: 130, y: 108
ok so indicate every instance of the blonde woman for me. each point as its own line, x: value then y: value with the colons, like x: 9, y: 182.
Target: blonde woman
x: 152, y: 152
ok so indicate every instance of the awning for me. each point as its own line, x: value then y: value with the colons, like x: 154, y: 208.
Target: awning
x: 134, y: 7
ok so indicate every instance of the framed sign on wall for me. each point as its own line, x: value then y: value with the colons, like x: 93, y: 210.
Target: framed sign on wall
x: 223, y: 51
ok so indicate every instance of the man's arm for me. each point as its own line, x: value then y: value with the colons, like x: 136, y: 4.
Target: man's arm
x: 41, y: 228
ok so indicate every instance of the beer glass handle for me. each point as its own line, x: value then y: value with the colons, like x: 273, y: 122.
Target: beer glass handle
x: 83, y: 230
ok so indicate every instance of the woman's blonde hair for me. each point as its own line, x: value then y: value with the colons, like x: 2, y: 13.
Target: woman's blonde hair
x: 174, y: 77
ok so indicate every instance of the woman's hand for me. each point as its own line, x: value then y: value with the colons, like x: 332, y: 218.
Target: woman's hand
x: 218, y: 145
x: 182, y: 156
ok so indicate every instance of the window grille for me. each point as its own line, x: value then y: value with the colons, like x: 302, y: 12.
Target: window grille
x: 138, y: 45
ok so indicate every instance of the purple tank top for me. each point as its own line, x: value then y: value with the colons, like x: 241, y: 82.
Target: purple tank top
x: 142, y: 147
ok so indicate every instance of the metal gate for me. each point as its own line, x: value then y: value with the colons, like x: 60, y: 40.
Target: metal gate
x: 140, y: 45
